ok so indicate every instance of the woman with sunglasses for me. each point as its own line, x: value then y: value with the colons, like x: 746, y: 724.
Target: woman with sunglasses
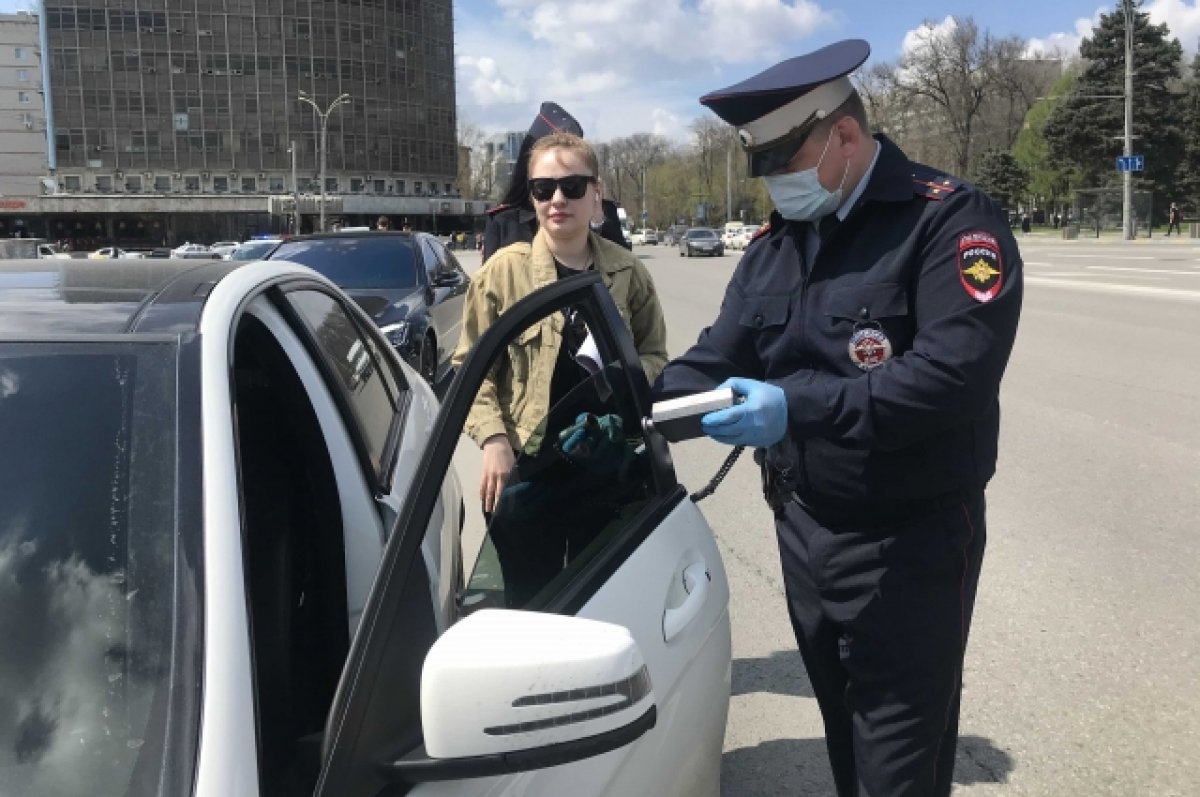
x: 514, y: 218
x: 564, y: 190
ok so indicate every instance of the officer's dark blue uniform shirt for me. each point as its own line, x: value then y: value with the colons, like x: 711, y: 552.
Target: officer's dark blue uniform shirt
x: 890, y: 346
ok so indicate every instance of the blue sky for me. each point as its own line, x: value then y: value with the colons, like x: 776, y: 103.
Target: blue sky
x: 626, y: 66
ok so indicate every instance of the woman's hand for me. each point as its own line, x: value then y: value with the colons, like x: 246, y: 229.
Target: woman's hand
x: 498, y: 461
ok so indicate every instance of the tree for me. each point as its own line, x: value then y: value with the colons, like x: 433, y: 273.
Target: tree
x: 1049, y: 179
x: 1002, y: 176
x: 955, y: 72
x: 628, y: 160
x: 1087, y: 128
x: 1187, y: 174
x: 475, y: 174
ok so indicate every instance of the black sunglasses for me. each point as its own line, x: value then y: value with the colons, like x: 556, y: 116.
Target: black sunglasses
x: 573, y: 186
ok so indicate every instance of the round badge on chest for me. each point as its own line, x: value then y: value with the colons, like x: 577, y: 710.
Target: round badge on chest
x: 869, y: 348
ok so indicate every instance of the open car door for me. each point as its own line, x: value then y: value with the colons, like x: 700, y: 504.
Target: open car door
x: 592, y: 657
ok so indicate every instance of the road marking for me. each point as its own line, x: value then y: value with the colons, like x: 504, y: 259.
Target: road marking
x: 1145, y: 270
x: 1108, y: 287
x: 1113, y: 257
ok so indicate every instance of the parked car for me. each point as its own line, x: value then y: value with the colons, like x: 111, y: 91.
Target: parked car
x: 256, y: 587
x: 746, y: 235
x: 190, y: 251
x: 114, y: 253
x: 257, y: 249
x: 411, y: 286
x: 223, y: 248
x: 673, y: 233
x: 51, y: 252
x: 700, y: 241
x: 730, y: 234
x: 650, y: 237
x: 636, y: 237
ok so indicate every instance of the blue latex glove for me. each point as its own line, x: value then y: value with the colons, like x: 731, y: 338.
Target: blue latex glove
x: 759, y: 421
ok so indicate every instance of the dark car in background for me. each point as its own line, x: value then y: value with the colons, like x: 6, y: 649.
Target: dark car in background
x: 700, y: 241
x: 410, y: 285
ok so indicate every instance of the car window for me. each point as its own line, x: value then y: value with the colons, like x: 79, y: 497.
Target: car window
x: 580, y: 480
x: 432, y: 258
x: 97, y: 604
x: 701, y: 234
x: 369, y: 261
x: 355, y: 362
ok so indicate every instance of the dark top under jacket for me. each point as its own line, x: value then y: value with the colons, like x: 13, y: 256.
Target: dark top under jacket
x: 922, y: 259
x: 507, y: 225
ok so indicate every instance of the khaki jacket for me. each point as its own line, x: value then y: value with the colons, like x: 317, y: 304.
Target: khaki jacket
x: 515, y: 397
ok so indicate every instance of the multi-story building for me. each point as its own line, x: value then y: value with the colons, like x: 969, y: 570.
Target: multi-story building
x: 185, y: 122
x: 23, y: 161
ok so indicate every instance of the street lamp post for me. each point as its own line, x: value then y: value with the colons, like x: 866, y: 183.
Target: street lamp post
x: 342, y: 99
x: 1127, y: 188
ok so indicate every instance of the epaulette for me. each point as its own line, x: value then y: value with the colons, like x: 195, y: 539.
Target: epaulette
x: 930, y: 183
x: 759, y: 233
x: 498, y: 209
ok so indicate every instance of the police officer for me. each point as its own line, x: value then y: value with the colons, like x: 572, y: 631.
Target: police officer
x: 867, y: 328
x: 513, y: 219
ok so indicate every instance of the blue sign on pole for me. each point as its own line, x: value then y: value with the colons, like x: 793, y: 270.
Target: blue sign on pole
x: 1131, y: 163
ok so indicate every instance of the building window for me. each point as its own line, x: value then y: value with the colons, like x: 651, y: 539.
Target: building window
x: 399, y: 186
x: 73, y: 182
x: 356, y: 185
x: 133, y: 183
x: 19, y: 53
x: 23, y: 75
x: 191, y: 182
x: 447, y: 186
x: 378, y: 186
x: 249, y: 185
x: 162, y: 184
x: 27, y: 120
x: 23, y: 97
x: 416, y: 187
x: 331, y: 185
x: 275, y: 185
x: 220, y: 185
x: 104, y: 183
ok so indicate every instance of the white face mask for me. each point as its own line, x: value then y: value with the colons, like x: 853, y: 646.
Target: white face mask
x: 799, y: 196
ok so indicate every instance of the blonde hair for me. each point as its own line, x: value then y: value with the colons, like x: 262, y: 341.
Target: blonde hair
x: 570, y: 143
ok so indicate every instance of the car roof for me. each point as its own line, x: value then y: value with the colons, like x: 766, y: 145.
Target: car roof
x: 105, y: 297
x: 317, y: 236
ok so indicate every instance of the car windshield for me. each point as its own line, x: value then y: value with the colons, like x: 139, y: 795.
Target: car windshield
x: 701, y: 234
x: 253, y: 250
x: 97, y: 688
x: 375, y: 260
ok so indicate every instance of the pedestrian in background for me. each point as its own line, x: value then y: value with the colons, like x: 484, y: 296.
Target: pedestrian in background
x: 1175, y: 219
x: 383, y: 224
x: 514, y: 219
x: 1026, y: 223
x: 866, y: 328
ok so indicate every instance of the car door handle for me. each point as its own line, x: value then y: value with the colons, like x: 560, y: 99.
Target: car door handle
x: 696, y: 580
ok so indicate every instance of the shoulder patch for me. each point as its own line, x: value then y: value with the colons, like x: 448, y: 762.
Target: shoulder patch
x: 498, y: 209
x: 930, y: 183
x: 980, y: 266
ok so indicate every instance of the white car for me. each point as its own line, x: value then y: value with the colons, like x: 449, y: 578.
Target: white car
x: 223, y: 248
x: 746, y: 235
x: 256, y: 587
x: 191, y: 251
x: 114, y: 253
x: 257, y: 249
x: 731, y: 236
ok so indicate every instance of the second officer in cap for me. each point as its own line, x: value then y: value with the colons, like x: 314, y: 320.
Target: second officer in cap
x: 867, y: 327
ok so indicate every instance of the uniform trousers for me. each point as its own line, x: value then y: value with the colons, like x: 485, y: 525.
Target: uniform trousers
x: 881, y: 607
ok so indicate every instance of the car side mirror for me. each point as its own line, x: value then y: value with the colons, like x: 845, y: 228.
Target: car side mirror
x: 508, y: 691
x: 446, y: 279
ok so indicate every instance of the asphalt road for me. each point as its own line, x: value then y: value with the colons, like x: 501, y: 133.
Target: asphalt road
x: 1083, y: 671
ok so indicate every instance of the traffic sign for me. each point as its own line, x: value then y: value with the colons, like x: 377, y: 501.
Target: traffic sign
x: 1131, y: 163
x: 645, y: 213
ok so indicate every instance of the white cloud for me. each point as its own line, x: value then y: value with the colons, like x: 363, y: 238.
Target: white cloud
x: 1181, y: 16
x: 630, y: 64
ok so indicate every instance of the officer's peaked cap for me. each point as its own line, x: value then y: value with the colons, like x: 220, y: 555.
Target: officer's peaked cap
x: 552, y: 118
x: 775, y: 110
